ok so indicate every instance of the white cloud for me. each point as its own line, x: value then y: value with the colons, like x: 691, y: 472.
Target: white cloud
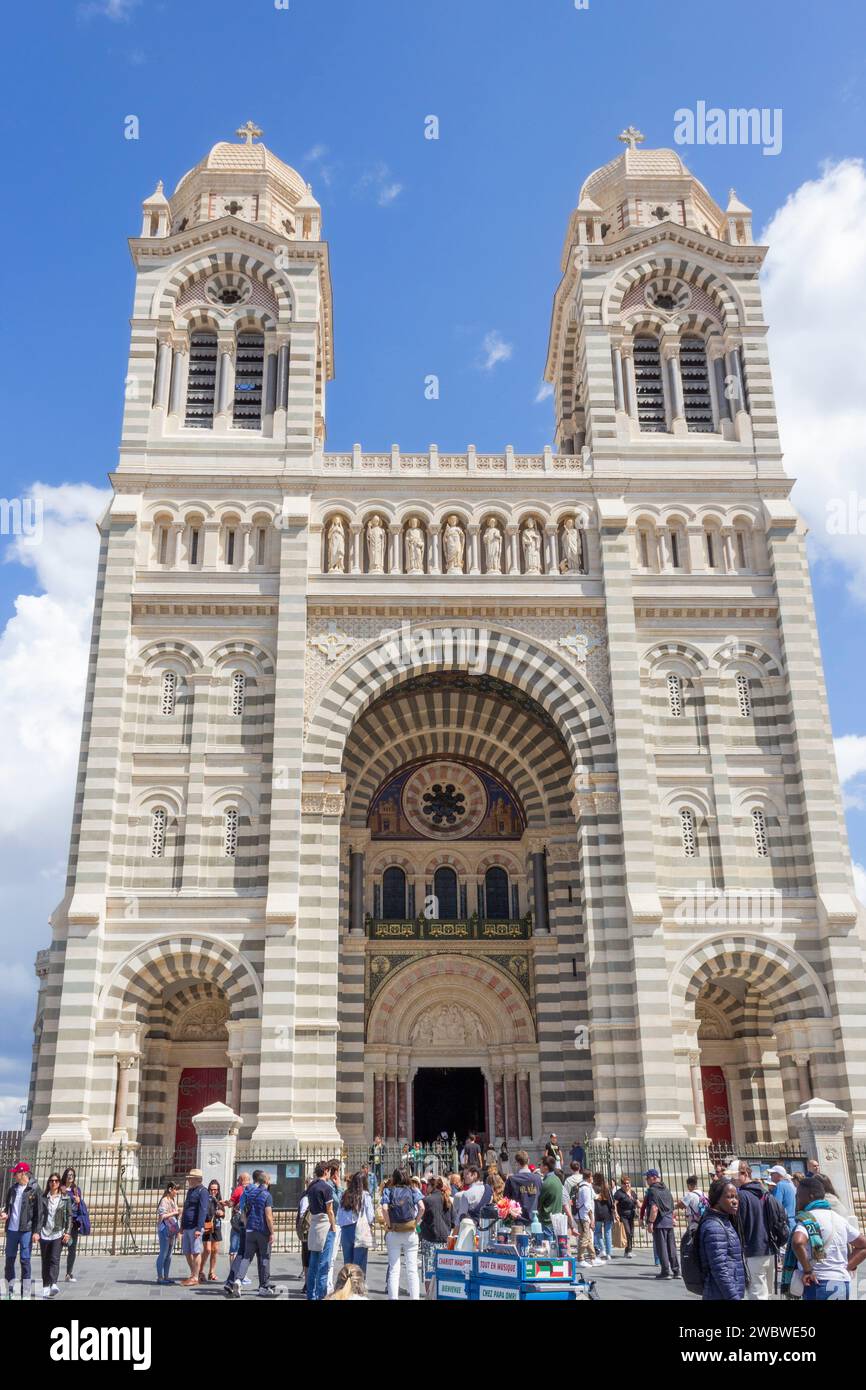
x: 815, y: 298
x: 851, y: 763
x: 10, y: 1109
x: 544, y: 392
x: 379, y: 181
x: 495, y: 350
x: 120, y: 11
x: 43, y: 665
x: 860, y: 881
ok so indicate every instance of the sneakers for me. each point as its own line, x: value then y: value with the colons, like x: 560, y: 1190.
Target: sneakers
x: 71, y: 1279
x: 271, y: 1291
x: 232, y: 1290
x: 246, y: 1282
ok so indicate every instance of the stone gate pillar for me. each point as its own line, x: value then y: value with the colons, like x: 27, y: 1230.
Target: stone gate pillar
x: 217, y: 1129
x: 820, y: 1126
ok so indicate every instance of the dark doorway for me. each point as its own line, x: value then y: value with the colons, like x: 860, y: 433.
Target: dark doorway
x: 450, y: 1099
x: 445, y: 891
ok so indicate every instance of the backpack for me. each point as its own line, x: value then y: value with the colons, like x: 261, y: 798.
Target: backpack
x: 776, y: 1222
x: 401, y: 1208
x: 690, y: 1256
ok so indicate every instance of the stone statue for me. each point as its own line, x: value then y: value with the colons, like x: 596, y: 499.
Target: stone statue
x: 572, y: 548
x: 414, y: 547
x: 336, y: 547
x: 375, y: 545
x: 453, y: 543
x: 531, y: 548
x: 447, y: 1026
x: 493, y: 546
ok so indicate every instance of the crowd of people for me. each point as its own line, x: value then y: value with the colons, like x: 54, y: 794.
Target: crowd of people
x: 744, y: 1237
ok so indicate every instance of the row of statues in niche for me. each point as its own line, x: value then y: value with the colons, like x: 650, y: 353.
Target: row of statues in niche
x: 568, y: 552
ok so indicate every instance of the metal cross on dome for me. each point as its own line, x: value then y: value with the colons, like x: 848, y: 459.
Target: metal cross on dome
x: 632, y: 137
x: 249, y: 132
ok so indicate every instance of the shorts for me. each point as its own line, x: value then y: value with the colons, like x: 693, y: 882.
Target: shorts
x: 191, y: 1243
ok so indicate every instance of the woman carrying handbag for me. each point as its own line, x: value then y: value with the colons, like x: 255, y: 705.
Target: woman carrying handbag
x: 355, y: 1220
x: 167, y: 1227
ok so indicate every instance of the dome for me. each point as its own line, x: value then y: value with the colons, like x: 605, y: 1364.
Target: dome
x: 635, y: 163
x: 247, y: 158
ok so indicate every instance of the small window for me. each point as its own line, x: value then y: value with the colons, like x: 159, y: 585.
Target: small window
x: 231, y: 536
x: 230, y: 832
x: 644, y: 550
x: 157, y: 832
x: 394, y: 894
x: 676, y: 561
x: 496, y: 894
x: 687, y: 832
x: 744, y: 697
x: 169, y: 692
x: 239, y: 686
x: 710, y: 541
x: 675, y: 696
x: 194, y: 545
x: 742, y: 552
x: 759, y: 831
x: 162, y: 546
x: 261, y: 537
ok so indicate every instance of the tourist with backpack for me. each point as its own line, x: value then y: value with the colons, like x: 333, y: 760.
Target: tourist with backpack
x: 80, y: 1219
x: 660, y: 1224
x: 711, y: 1253
x: 402, y: 1210
x: 238, y: 1222
x: 825, y: 1249
x: 763, y: 1227
x: 257, y: 1208
x: 695, y: 1202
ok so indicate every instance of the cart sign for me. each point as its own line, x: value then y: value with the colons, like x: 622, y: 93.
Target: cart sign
x: 454, y: 1262
x: 451, y: 1288
x: 498, y: 1267
x: 499, y: 1292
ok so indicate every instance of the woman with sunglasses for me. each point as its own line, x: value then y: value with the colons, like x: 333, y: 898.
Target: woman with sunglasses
x: 53, y: 1233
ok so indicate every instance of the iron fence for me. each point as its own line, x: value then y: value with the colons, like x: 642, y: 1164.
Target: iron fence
x: 857, y: 1172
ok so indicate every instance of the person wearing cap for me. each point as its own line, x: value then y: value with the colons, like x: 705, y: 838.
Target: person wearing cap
x: 660, y: 1225
x: 23, y: 1212
x: 195, y: 1209
x: 785, y: 1193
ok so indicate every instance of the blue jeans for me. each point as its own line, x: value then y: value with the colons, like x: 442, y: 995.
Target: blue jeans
x: 18, y: 1243
x: 602, y: 1237
x: 317, y: 1274
x: 826, y: 1292
x: 353, y: 1254
x: 166, y: 1246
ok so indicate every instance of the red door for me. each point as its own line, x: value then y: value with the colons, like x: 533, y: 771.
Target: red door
x: 716, y: 1105
x: 198, y: 1087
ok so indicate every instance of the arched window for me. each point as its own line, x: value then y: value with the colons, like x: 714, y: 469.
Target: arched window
x: 201, y: 383
x: 162, y: 536
x: 194, y: 544
x: 168, y: 696
x: 249, y: 370
x: 744, y: 559
x: 158, y: 821
x: 643, y: 541
x: 675, y: 696
x: 759, y: 831
x: 713, y: 543
x: 445, y: 892
x: 648, y: 378
x: 393, y: 894
x: 687, y: 832
x: 696, y: 385
x: 239, y: 690
x: 230, y: 832
x: 230, y: 544
x: 744, y: 697
x: 496, y: 894
x: 261, y: 542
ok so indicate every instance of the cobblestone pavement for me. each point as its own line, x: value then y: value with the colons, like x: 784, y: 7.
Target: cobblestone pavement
x: 131, y: 1277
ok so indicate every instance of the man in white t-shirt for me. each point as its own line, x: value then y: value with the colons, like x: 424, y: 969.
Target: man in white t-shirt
x: 826, y: 1271
x: 694, y: 1202
x: 583, y: 1214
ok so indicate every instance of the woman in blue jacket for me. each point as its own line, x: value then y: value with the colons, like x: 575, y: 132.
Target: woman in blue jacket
x: 719, y: 1248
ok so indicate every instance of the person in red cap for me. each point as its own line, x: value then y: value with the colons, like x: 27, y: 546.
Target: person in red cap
x: 22, y: 1213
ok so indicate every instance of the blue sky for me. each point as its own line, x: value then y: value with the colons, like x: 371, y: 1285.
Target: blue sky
x: 435, y: 245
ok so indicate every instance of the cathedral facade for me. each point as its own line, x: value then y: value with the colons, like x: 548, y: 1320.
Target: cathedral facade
x: 444, y: 791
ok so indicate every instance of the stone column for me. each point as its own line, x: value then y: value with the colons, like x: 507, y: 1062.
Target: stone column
x: 551, y: 550
x: 395, y: 535
x: 804, y: 1080
x: 391, y: 1110
x: 630, y: 381
x: 121, y: 1099
x: 379, y: 1105
x: 541, y: 919
x: 524, y: 1106
x: 162, y: 375
x: 176, y: 391
x: 697, y: 1093
x: 499, y: 1116
x: 217, y: 1129
x: 821, y: 1128
x: 618, y: 384
x: 723, y: 405
x: 225, y: 383
x: 357, y: 547
x: 434, y: 564
x: 512, y: 543
x: 356, y: 892
x: 474, y: 556
x: 270, y: 383
x: 671, y: 357
x: 402, y: 1110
